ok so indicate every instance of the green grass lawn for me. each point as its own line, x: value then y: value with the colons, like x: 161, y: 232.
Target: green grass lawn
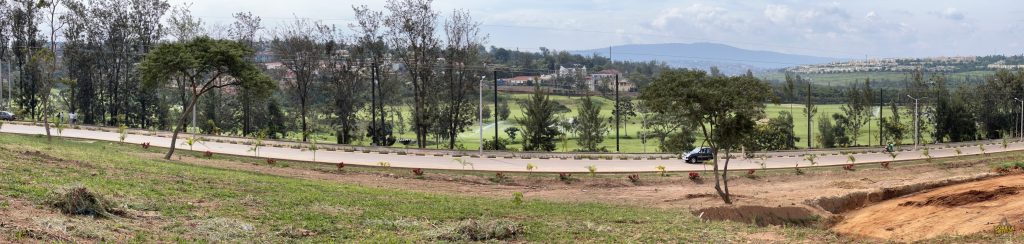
x: 189, y: 197
x: 843, y: 79
x: 630, y: 142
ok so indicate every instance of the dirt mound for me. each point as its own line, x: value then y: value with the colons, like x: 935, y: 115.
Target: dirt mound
x: 964, y: 198
x: 761, y: 215
x: 960, y: 209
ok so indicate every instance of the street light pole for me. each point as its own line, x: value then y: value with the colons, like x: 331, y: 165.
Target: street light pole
x: 617, y: 111
x: 917, y: 121
x: 1021, y: 118
x: 481, y: 117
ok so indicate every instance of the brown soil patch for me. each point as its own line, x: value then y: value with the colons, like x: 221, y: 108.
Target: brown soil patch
x: 964, y: 198
x: 959, y: 209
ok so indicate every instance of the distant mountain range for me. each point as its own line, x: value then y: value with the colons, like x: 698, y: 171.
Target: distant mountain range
x: 729, y: 59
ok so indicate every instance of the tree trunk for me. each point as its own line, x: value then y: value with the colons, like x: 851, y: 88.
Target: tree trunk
x: 718, y: 183
x: 305, y: 130
x: 181, y: 124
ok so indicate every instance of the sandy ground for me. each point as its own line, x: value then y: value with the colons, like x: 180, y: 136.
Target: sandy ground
x: 953, y: 210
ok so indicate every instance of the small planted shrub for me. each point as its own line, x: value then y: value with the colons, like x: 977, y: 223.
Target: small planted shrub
x: 694, y: 176
x: 530, y: 167
x: 958, y: 152
x: 661, y: 169
x: 384, y: 164
x: 341, y: 166
x: 927, y: 154
x: 208, y: 154
x: 751, y: 173
x: 981, y: 147
x: 885, y: 165
x: 593, y: 170
x: 797, y: 170
x: 190, y: 141
x: 271, y: 161
x: 811, y: 158
x: 565, y: 177
x: 499, y: 178
x: 145, y: 145
x: 1006, y: 143
x: 464, y: 163
x: 418, y: 172
x: 635, y: 178
x: 848, y: 167
x: 517, y: 198
x: 313, y: 147
x: 123, y: 132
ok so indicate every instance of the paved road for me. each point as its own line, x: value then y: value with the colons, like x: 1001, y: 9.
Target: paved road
x: 502, y: 164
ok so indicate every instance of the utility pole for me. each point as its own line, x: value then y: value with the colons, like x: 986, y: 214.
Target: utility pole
x: 881, y: 110
x: 1021, y: 118
x: 917, y: 121
x: 617, y: 112
x: 808, y: 109
x: 481, y: 117
x: 495, y: 109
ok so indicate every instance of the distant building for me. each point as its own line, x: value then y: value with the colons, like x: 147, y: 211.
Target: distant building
x: 518, y: 81
x: 606, y: 80
x: 575, y: 70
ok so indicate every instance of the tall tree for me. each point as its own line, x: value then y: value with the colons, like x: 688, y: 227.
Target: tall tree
x: 300, y: 53
x: 412, y: 25
x: 246, y: 30
x: 204, y: 64
x: 539, y: 122
x: 590, y: 125
x: 725, y: 108
x: 462, y: 54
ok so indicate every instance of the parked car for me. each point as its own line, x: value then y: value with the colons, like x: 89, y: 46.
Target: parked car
x: 699, y: 155
x: 4, y: 115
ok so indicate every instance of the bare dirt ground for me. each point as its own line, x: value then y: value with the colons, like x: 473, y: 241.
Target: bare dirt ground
x: 953, y: 210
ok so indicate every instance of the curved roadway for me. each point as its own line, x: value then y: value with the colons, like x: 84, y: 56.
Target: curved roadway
x: 511, y: 164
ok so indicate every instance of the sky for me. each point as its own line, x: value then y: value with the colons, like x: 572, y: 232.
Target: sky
x: 839, y: 29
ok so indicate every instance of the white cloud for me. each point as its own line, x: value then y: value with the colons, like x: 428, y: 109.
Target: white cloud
x: 776, y: 13
x: 951, y: 13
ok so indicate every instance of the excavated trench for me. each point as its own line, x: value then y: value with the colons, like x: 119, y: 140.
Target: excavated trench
x: 824, y: 212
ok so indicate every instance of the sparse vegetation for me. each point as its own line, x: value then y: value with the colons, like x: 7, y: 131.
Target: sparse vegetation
x: 592, y: 169
x: 634, y: 178
x: 661, y: 170
x: 530, y: 167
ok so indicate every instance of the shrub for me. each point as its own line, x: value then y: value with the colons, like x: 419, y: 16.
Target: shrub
x: 885, y: 165
x: 271, y: 161
x: 145, y: 145
x: 812, y: 158
x: 384, y: 164
x: 635, y: 178
x: 564, y: 177
x: 418, y: 172
x: 694, y: 176
x: 464, y: 163
x: 123, y: 133
x: 499, y: 178
x: 751, y: 173
x: 593, y: 170
x: 79, y: 201
x: 208, y: 154
x: 341, y: 166
x: 797, y: 170
x: 530, y: 167
x: 474, y: 230
x: 517, y: 198
x: 848, y: 167
x: 661, y: 169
